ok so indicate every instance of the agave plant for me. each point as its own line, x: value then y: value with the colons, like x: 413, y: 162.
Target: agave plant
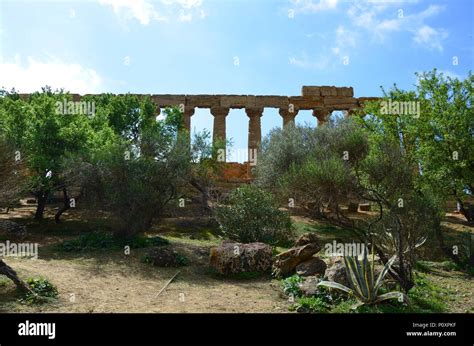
x: 364, y: 286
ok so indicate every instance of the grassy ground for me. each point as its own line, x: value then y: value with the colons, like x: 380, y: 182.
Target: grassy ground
x: 108, y: 280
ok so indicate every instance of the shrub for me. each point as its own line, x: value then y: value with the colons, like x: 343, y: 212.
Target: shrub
x: 364, y: 286
x: 41, y: 291
x: 291, y: 285
x: 165, y: 257
x: 102, y: 240
x: 310, y: 304
x: 252, y: 215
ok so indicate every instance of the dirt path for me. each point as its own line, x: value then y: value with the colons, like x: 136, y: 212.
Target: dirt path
x: 119, y: 283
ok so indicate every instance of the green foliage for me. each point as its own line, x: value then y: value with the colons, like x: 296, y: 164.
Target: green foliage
x: 310, y: 305
x: 13, y: 175
x: 89, y: 241
x: 43, y: 135
x: 281, y: 149
x: 182, y: 260
x: 291, y: 285
x: 364, y: 286
x: 101, y: 240
x: 252, y: 215
x: 445, y: 126
x: 137, y: 177
x: 42, y: 291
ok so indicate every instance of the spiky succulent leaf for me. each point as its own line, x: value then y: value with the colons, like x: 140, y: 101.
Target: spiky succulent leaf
x: 332, y: 284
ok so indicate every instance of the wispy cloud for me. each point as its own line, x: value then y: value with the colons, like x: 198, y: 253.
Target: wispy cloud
x: 372, y: 16
x: 35, y: 74
x: 146, y: 11
x: 430, y: 37
x: 312, y: 6
x: 320, y: 62
x: 141, y: 10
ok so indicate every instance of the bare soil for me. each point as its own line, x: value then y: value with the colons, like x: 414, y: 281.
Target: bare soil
x: 111, y: 281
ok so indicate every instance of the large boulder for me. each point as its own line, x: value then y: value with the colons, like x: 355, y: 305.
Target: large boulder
x: 307, y: 238
x: 286, y: 262
x: 336, y: 271
x: 233, y: 258
x: 309, y: 286
x: 12, y: 229
x: 311, y: 267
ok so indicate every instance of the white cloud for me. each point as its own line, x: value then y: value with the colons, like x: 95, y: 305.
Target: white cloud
x: 141, y: 10
x: 345, y: 37
x: 36, y: 74
x: 372, y: 15
x: 146, y: 11
x: 320, y: 62
x: 186, y: 4
x: 313, y: 6
x: 430, y: 37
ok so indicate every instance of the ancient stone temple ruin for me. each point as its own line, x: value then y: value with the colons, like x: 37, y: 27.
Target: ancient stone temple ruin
x: 322, y: 100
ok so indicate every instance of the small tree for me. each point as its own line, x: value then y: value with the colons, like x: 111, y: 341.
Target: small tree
x: 134, y: 180
x: 345, y: 162
x: 43, y: 136
x: 252, y: 215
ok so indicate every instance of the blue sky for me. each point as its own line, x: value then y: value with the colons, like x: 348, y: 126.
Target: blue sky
x: 231, y: 47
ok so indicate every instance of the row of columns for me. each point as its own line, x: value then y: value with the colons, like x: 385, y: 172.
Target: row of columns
x: 254, y: 115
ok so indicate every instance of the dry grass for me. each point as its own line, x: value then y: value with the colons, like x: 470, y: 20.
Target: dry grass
x: 110, y: 281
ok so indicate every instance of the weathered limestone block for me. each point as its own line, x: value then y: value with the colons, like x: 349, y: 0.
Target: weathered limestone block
x: 345, y: 91
x: 271, y: 101
x: 311, y: 267
x: 238, y: 101
x: 232, y: 258
x: 286, y: 262
x: 310, y: 90
x: 306, y: 102
x: 202, y: 101
x: 340, y: 100
x: 167, y: 100
x: 328, y: 91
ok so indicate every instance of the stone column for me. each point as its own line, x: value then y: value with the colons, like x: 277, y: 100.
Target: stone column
x: 219, y: 114
x: 322, y: 115
x: 187, y: 114
x: 288, y: 117
x: 255, y: 131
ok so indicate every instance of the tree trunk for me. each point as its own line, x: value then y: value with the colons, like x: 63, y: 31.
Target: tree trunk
x: 12, y: 275
x: 42, y: 198
x: 466, y: 211
x: 66, y: 206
